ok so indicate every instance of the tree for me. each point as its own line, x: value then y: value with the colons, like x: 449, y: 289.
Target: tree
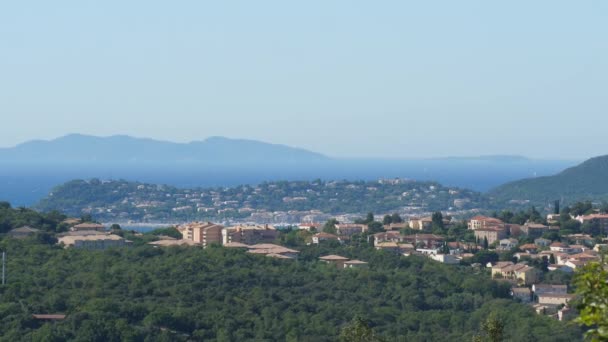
x: 375, y: 227
x: 592, y: 289
x: 396, y: 218
x: 492, y: 329
x: 388, y: 219
x: 357, y: 331
x: 437, y: 220
x: 556, y: 207
x: 485, y: 242
x: 369, y: 218
x: 330, y: 226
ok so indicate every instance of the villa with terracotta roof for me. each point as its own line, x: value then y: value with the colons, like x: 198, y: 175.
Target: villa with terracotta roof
x: 491, y: 234
x: 480, y: 222
x: 22, y: 232
x: 334, y: 259
x: 600, y: 219
x: 319, y: 237
x: 519, y: 272
x: 559, y: 247
x: 88, y: 226
x: 102, y: 241
x: 554, y: 299
x: 269, y: 248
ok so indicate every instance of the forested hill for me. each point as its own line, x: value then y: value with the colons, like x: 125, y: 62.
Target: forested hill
x: 587, y: 181
x: 218, y: 294
x: 123, y: 200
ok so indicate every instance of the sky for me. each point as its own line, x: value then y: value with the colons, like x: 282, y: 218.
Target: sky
x: 390, y: 79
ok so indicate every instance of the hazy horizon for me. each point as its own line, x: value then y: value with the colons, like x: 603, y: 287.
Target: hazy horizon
x: 346, y: 79
x: 293, y: 146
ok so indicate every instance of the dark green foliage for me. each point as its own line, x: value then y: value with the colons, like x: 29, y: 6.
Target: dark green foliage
x: 330, y: 226
x: 218, y: 294
x: 592, y: 288
x: 11, y: 218
x: 169, y: 231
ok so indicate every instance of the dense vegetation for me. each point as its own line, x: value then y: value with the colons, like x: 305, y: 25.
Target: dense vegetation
x: 116, y: 200
x: 217, y: 294
x: 586, y: 181
x: 11, y: 218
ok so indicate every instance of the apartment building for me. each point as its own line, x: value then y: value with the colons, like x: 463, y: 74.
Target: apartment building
x: 249, y: 234
x: 205, y: 233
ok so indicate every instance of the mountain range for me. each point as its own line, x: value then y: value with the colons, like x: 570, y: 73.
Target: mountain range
x: 84, y: 149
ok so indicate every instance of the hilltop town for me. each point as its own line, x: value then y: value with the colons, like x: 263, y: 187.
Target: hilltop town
x: 271, y: 203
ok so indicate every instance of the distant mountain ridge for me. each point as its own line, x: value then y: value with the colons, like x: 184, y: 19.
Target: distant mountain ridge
x: 586, y: 181
x: 78, y: 148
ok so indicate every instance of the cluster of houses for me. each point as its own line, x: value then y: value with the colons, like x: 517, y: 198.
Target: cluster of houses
x: 91, y: 236
x: 547, y: 299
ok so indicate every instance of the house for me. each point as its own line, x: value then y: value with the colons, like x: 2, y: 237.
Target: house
x: 534, y: 230
x: 553, y: 218
x: 562, y: 268
x: 490, y: 234
x: 88, y: 226
x: 425, y: 223
x: 528, y: 248
x: 169, y: 243
x: 423, y: 240
x: 310, y: 226
x: 235, y: 245
x: 581, y: 239
x: 542, y: 242
x: 279, y: 256
x: 600, y: 219
x: 319, y: 237
x: 249, y: 234
x: 482, y: 222
x: 355, y: 264
x: 269, y: 248
x: 388, y: 246
x: 22, y: 232
x: 102, y: 241
x: 522, y: 293
x: 445, y: 258
x: 578, y: 249
x: 350, y: 229
x: 396, y: 226
x: 205, y: 233
x: 506, y: 244
x: 337, y: 260
x: 600, y: 247
x: 549, y: 288
x: 559, y: 247
x: 392, y: 236
x: 554, y: 299
x: 520, y: 272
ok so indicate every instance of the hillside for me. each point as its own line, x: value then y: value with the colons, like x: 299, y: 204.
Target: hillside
x: 217, y: 294
x: 587, y: 181
x: 121, y: 149
x: 269, y: 202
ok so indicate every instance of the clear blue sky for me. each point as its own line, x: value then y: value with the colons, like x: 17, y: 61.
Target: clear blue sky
x: 346, y: 78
